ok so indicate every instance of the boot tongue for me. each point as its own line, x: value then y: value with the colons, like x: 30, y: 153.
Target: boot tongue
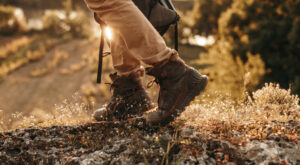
x: 126, y: 85
x: 149, y: 71
x: 156, y: 72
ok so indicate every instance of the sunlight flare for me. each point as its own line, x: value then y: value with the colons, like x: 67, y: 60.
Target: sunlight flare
x: 108, y: 33
x: 201, y: 40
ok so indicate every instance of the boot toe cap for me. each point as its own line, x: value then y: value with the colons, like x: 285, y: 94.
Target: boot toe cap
x: 154, y: 116
x: 100, y: 114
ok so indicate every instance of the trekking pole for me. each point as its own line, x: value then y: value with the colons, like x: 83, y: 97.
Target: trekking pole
x: 168, y: 4
x: 102, y: 25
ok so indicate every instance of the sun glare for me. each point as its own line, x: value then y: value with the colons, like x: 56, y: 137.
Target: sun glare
x: 108, y: 33
x: 201, y: 40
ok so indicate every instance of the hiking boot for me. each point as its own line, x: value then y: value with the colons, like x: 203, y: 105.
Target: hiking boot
x: 179, y: 85
x: 129, y: 99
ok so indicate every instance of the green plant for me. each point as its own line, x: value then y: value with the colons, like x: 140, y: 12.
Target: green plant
x: 206, y: 14
x: 227, y: 74
x: 265, y: 28
x: 270, y: 29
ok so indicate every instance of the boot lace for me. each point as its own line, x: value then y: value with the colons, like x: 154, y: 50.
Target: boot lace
x: 150, y: 83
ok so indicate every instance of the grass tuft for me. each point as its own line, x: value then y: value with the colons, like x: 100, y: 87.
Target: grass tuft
x: 265, y: 115
x: 271, y: 93
x: 71, y: 111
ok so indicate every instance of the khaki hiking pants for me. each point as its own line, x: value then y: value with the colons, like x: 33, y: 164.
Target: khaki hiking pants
x: 134, y: 37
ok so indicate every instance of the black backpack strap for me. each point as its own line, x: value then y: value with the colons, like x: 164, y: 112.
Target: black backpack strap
x: 176, y: 36
x: 152, y: 4
x: 102, y: 24
x: 168, y: 4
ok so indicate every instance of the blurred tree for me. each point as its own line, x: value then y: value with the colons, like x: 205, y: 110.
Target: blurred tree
x: 206, y: 14
x: 67, y: 4
x: 270, y: 28
x: 67, y: 23
x: 12, y: 20
x: 228, y: 74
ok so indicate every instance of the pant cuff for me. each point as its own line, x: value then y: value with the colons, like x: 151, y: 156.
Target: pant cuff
x: 159, y: 57
x: 138, y: 68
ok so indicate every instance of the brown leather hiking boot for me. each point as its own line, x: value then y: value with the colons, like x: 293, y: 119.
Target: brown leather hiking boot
x: 179, y: 85
x: 129, y: 99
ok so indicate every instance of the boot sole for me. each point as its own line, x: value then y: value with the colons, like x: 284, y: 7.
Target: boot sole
x: 196, y: 83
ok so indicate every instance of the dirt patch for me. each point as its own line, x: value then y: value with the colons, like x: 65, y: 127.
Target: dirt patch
x: 24, y: 93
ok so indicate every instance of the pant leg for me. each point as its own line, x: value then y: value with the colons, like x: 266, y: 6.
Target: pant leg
x: 140, y: 37
x: 124, y: 62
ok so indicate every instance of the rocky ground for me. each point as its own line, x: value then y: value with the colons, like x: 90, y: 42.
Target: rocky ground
x: 135, y: 143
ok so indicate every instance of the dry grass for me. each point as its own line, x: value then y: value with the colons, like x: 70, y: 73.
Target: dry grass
x: 71, y: 111
x: 272, y: 94
x: 265, y: 115
x: 22, y: 51
x: 13, y: 46
x: 58, y: 57
x: 73, y: 68
x: 228, y: 74
x: 10, y: 54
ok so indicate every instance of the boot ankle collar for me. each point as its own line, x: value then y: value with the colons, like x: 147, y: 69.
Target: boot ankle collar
x: 174, y: 57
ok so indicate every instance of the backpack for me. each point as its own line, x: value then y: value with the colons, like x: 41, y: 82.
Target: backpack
x: 161, y: 14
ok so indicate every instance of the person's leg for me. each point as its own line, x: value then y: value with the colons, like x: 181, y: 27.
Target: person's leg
x: 179, y: 83
x: 124, y: 62
x: 140, y: 37
x: 129, y: 98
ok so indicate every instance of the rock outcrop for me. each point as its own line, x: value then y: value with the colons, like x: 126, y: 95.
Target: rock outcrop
x: 135, y: 143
